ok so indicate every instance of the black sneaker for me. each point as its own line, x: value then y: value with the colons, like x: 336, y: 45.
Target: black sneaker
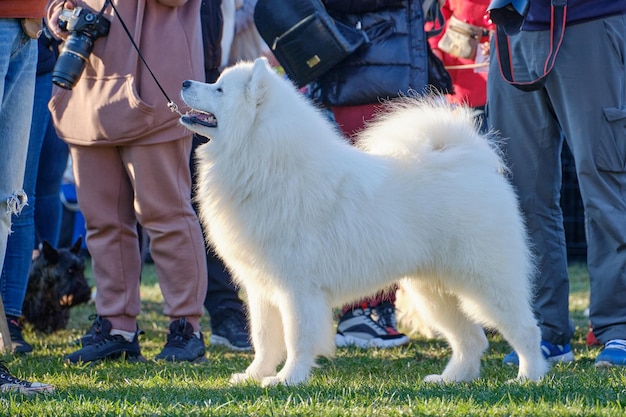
x: 88, y: 337
x: 102, y: 345
x: 9, y: 383
x: 182, y: 344
x: 229, y: 329
x: 17, y: 340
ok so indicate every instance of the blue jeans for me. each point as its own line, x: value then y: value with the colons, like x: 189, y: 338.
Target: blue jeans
x: 52, y: 163
x: 18, y: 60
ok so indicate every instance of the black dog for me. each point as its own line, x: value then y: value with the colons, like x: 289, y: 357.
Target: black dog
x: 56, y: 283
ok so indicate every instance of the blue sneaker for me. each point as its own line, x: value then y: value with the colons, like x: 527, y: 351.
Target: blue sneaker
x: 613, y: 354
x: 553, y: 353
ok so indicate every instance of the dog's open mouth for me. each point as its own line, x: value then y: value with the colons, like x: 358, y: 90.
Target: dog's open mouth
x: 200, y: 118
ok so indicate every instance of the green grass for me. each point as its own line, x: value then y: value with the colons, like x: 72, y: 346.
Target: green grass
x: 355, y: 383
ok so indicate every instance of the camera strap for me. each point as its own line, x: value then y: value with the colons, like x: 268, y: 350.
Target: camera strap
x: 172, y: 106
x: 558, y: 14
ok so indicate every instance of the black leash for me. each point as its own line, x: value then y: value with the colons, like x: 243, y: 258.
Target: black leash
x: 172, y: 106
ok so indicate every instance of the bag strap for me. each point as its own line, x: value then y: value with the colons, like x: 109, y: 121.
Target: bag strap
x: 558, y: 15
x: 434, y: 15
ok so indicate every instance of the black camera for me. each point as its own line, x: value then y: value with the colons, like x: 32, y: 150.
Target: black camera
x: 85, y: 27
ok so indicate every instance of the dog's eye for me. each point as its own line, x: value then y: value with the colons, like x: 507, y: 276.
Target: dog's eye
x: 219, y: 90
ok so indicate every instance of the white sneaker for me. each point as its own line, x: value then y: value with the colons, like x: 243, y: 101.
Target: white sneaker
x: 9, y: 383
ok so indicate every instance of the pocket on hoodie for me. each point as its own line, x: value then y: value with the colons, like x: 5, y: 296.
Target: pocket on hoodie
x: 101, y: 110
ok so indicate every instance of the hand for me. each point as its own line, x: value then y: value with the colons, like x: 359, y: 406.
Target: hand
x: 53, y: 23
x: 485, y: 48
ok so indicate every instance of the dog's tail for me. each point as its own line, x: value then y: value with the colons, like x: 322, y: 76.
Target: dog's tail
x: 411, y: 127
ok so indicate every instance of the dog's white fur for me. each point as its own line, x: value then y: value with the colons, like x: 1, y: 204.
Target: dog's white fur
x: 306, y: 222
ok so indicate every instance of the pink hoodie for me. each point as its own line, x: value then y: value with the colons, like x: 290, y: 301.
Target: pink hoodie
x: 22, y: 8
x: 116, y: 100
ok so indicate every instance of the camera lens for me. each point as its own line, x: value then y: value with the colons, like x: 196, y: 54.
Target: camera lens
x: 72, y: 60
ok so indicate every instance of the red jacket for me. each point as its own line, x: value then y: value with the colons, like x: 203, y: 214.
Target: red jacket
x: 22, y: 8
x: 470, y: 86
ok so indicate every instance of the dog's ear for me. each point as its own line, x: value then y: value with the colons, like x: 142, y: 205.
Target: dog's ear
x: 77, y: 245
x: 259, y: 80
x: 262, y: 61
x: 50, y: 253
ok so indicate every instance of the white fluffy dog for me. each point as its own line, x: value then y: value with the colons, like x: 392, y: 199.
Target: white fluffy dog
x: 306, y: 222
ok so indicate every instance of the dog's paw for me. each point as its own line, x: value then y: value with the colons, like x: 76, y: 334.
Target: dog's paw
x: 520, y: 380
x: 434, y: 378
x: 271, y: 381
x: 239, y: 378
x: 286, y: 377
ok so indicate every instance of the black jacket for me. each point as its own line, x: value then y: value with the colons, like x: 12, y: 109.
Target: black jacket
x: 394, y: 62
x: 212, y: 21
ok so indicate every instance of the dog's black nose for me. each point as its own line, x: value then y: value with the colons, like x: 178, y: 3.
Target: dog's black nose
x: 186, y: 84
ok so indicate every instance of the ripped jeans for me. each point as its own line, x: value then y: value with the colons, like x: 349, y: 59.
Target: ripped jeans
x: 18, y: 60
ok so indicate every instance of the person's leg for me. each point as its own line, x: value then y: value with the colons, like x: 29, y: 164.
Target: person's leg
x: 221, y: 291
x: 162, y: 183
x: 18, y: 56
x: 17, y: 66
x: 18, y: 59
x: 105, y: 196
x: 532, y: 146
x: 591, y: 105
x: 52, y: 164
x: 229, y: 326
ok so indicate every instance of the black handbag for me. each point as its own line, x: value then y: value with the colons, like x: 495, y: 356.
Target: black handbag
x: 304, y: 38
